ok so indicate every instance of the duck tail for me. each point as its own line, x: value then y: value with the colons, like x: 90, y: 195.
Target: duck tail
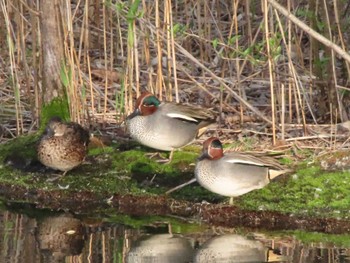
x: 203, y: 127
x: 275, y: 173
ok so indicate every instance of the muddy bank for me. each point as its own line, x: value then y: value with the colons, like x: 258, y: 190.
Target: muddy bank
x: 122, y: 178
x: 86, y: 202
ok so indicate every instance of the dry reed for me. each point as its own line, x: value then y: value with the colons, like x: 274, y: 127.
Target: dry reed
x: 251, y: 58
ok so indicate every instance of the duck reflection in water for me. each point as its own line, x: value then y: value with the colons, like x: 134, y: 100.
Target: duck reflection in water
x: 235, y: 248
x: 59, y: 236
x: 162, y: 248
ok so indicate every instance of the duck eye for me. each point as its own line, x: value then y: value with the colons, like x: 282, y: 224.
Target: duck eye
x: 148, y: 105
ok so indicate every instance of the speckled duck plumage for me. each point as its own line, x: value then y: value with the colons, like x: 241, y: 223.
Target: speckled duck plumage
x: 63, y: 146
x: 233, y: 174
x: 165, y: 125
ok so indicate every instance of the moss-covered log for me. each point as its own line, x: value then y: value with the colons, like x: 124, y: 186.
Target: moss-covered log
x: 122, y: 179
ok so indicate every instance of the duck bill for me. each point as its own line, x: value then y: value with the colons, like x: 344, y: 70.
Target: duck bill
x: 134, y: 114
x: 49, y: 132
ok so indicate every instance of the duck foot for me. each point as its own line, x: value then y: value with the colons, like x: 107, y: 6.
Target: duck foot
x: 56, y: 177
x: 180, y: 186
x: 230, y: 202
x: 161, y: 159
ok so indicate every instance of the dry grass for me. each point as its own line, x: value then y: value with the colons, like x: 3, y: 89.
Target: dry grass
x: 260, y: 67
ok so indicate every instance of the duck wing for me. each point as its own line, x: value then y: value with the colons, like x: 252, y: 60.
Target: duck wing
x: 76, y: 132
x: 188, y: 112
x: 250, y: 159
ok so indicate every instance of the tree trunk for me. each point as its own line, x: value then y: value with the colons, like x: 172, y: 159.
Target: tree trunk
x: 52, y: 49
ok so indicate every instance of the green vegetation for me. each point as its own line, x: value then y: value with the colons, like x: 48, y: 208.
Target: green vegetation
x: 23, y: 144
x: 128, y: 169
x: 308, y: 191
x: 105, y: 169
x: 313, y: 237
x: 57, y: 107
x: 164, y: 223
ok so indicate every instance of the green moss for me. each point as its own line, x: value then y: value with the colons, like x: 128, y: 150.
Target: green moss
x: 99, y: 151
x: 25, y: 145
x: 111, y: 170
x: 195, y: 192
x: 21, y: 150
x: 165, y: 223
x: 308, y: 191
x: 106, y: 170
x: 136, y: 162
x: 57, y: 107
x: 314, y: 237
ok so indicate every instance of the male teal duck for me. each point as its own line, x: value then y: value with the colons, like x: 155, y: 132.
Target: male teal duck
x: 160, y: 248
x: 233, y: 174
x: 165, y: 125
x: 63, y: 146
x: 235, y: 248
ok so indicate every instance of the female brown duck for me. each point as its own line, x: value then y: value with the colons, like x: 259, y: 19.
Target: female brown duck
x: 63, y: 146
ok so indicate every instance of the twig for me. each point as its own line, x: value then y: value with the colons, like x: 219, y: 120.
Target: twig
x: 310, y: 31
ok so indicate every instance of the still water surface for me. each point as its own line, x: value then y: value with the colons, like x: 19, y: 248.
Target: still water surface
x: 35, y: 236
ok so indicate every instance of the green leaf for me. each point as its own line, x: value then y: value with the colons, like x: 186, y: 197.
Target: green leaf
x: 215, y: 43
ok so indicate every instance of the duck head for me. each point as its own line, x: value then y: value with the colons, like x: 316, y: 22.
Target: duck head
x: 55, y: 127
x: 212, y: 149
x: 146, y: 104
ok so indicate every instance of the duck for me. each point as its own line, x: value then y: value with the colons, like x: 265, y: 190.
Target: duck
x: 235, y: 248
x: 235, y: 173
x: 167, y: 126
x: 160, y: 248
x: 63, y: 145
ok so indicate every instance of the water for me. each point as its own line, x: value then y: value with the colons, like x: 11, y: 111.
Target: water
x: 40, y: 236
